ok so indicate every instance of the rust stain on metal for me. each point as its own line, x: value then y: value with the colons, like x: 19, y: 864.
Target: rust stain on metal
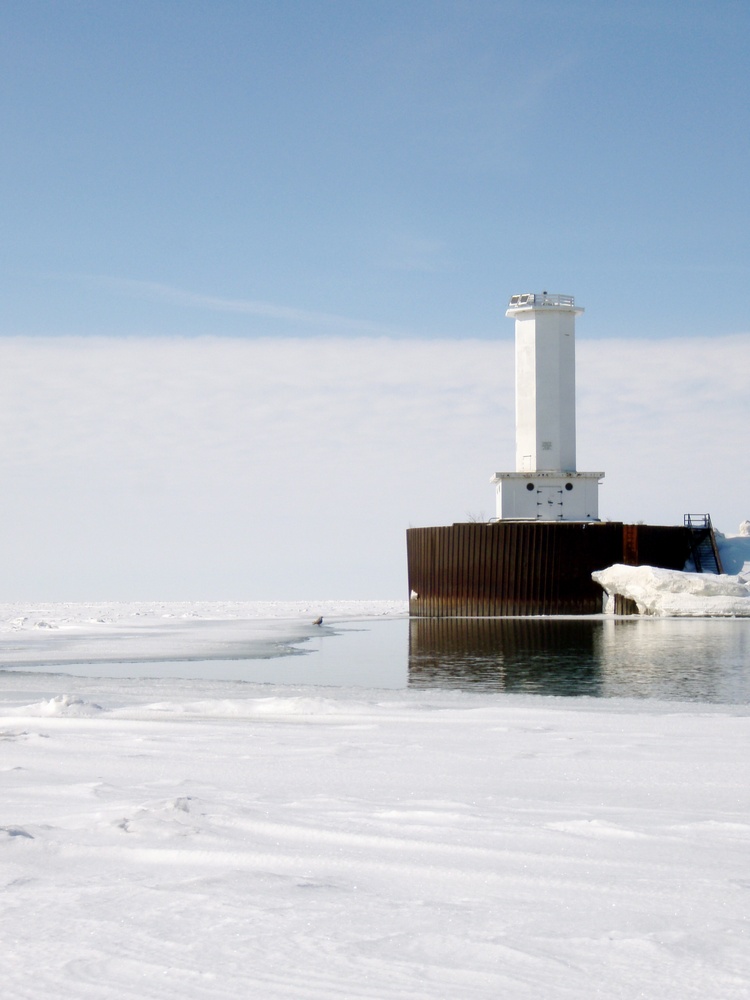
x: 528, y: 567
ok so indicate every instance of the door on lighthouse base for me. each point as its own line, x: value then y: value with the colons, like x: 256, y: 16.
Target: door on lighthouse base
x: 549, y: 503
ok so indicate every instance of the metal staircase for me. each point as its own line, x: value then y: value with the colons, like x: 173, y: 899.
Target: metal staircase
x: 703, y: 548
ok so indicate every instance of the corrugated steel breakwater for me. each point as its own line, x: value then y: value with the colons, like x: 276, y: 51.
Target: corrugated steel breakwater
x: 529, y: 567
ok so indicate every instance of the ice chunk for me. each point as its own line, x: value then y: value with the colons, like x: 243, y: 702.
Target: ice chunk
x: 658, y: 591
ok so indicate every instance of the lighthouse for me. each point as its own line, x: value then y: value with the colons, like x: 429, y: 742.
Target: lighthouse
x: 538, y: 555
x: 546, y: 485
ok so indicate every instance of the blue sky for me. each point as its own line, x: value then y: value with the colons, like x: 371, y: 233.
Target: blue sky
x: 316, y: 167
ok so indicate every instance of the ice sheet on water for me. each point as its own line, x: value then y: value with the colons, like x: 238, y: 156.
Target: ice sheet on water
x: 84, y: 638
x: 137, y: 614
x: 666, y: 592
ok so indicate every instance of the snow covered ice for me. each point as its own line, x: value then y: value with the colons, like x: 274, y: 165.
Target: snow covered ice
x: 176, y: 838
x: 658, y: 591
x: 432, y: 846
x: 668, y: 592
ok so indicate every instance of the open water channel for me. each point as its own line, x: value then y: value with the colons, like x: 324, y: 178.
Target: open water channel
x: 673, y: 659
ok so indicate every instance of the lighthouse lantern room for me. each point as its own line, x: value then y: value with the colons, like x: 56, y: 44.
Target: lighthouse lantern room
x: 546, y: 485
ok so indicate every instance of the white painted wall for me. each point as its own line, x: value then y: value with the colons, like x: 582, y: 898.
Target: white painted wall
x: 546, y: 485
x: 548, y: 498
x: 545, y: 389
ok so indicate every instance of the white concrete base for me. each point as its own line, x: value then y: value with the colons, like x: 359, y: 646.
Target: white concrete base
x: 548, y: 496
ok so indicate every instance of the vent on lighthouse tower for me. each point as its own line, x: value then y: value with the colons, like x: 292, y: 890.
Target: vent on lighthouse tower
x: 546, y: 485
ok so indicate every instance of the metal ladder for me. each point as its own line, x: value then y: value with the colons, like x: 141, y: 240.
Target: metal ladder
x: 703, y: 547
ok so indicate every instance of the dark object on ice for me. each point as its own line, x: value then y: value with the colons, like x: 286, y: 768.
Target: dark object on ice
x: 318, y: 621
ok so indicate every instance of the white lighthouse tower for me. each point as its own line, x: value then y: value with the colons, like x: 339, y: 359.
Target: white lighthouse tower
x: 546, y: 485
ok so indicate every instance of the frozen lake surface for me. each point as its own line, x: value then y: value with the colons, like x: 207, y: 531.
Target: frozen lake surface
x: 198, y: 803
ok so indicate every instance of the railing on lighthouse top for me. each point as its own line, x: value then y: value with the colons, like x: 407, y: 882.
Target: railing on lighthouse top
x: 535, y: 299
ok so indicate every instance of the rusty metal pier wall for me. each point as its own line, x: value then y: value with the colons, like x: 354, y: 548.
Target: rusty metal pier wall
x: 528, y: 567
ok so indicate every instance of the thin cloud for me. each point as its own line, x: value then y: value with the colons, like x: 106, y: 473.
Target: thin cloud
x: 158, y: 291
